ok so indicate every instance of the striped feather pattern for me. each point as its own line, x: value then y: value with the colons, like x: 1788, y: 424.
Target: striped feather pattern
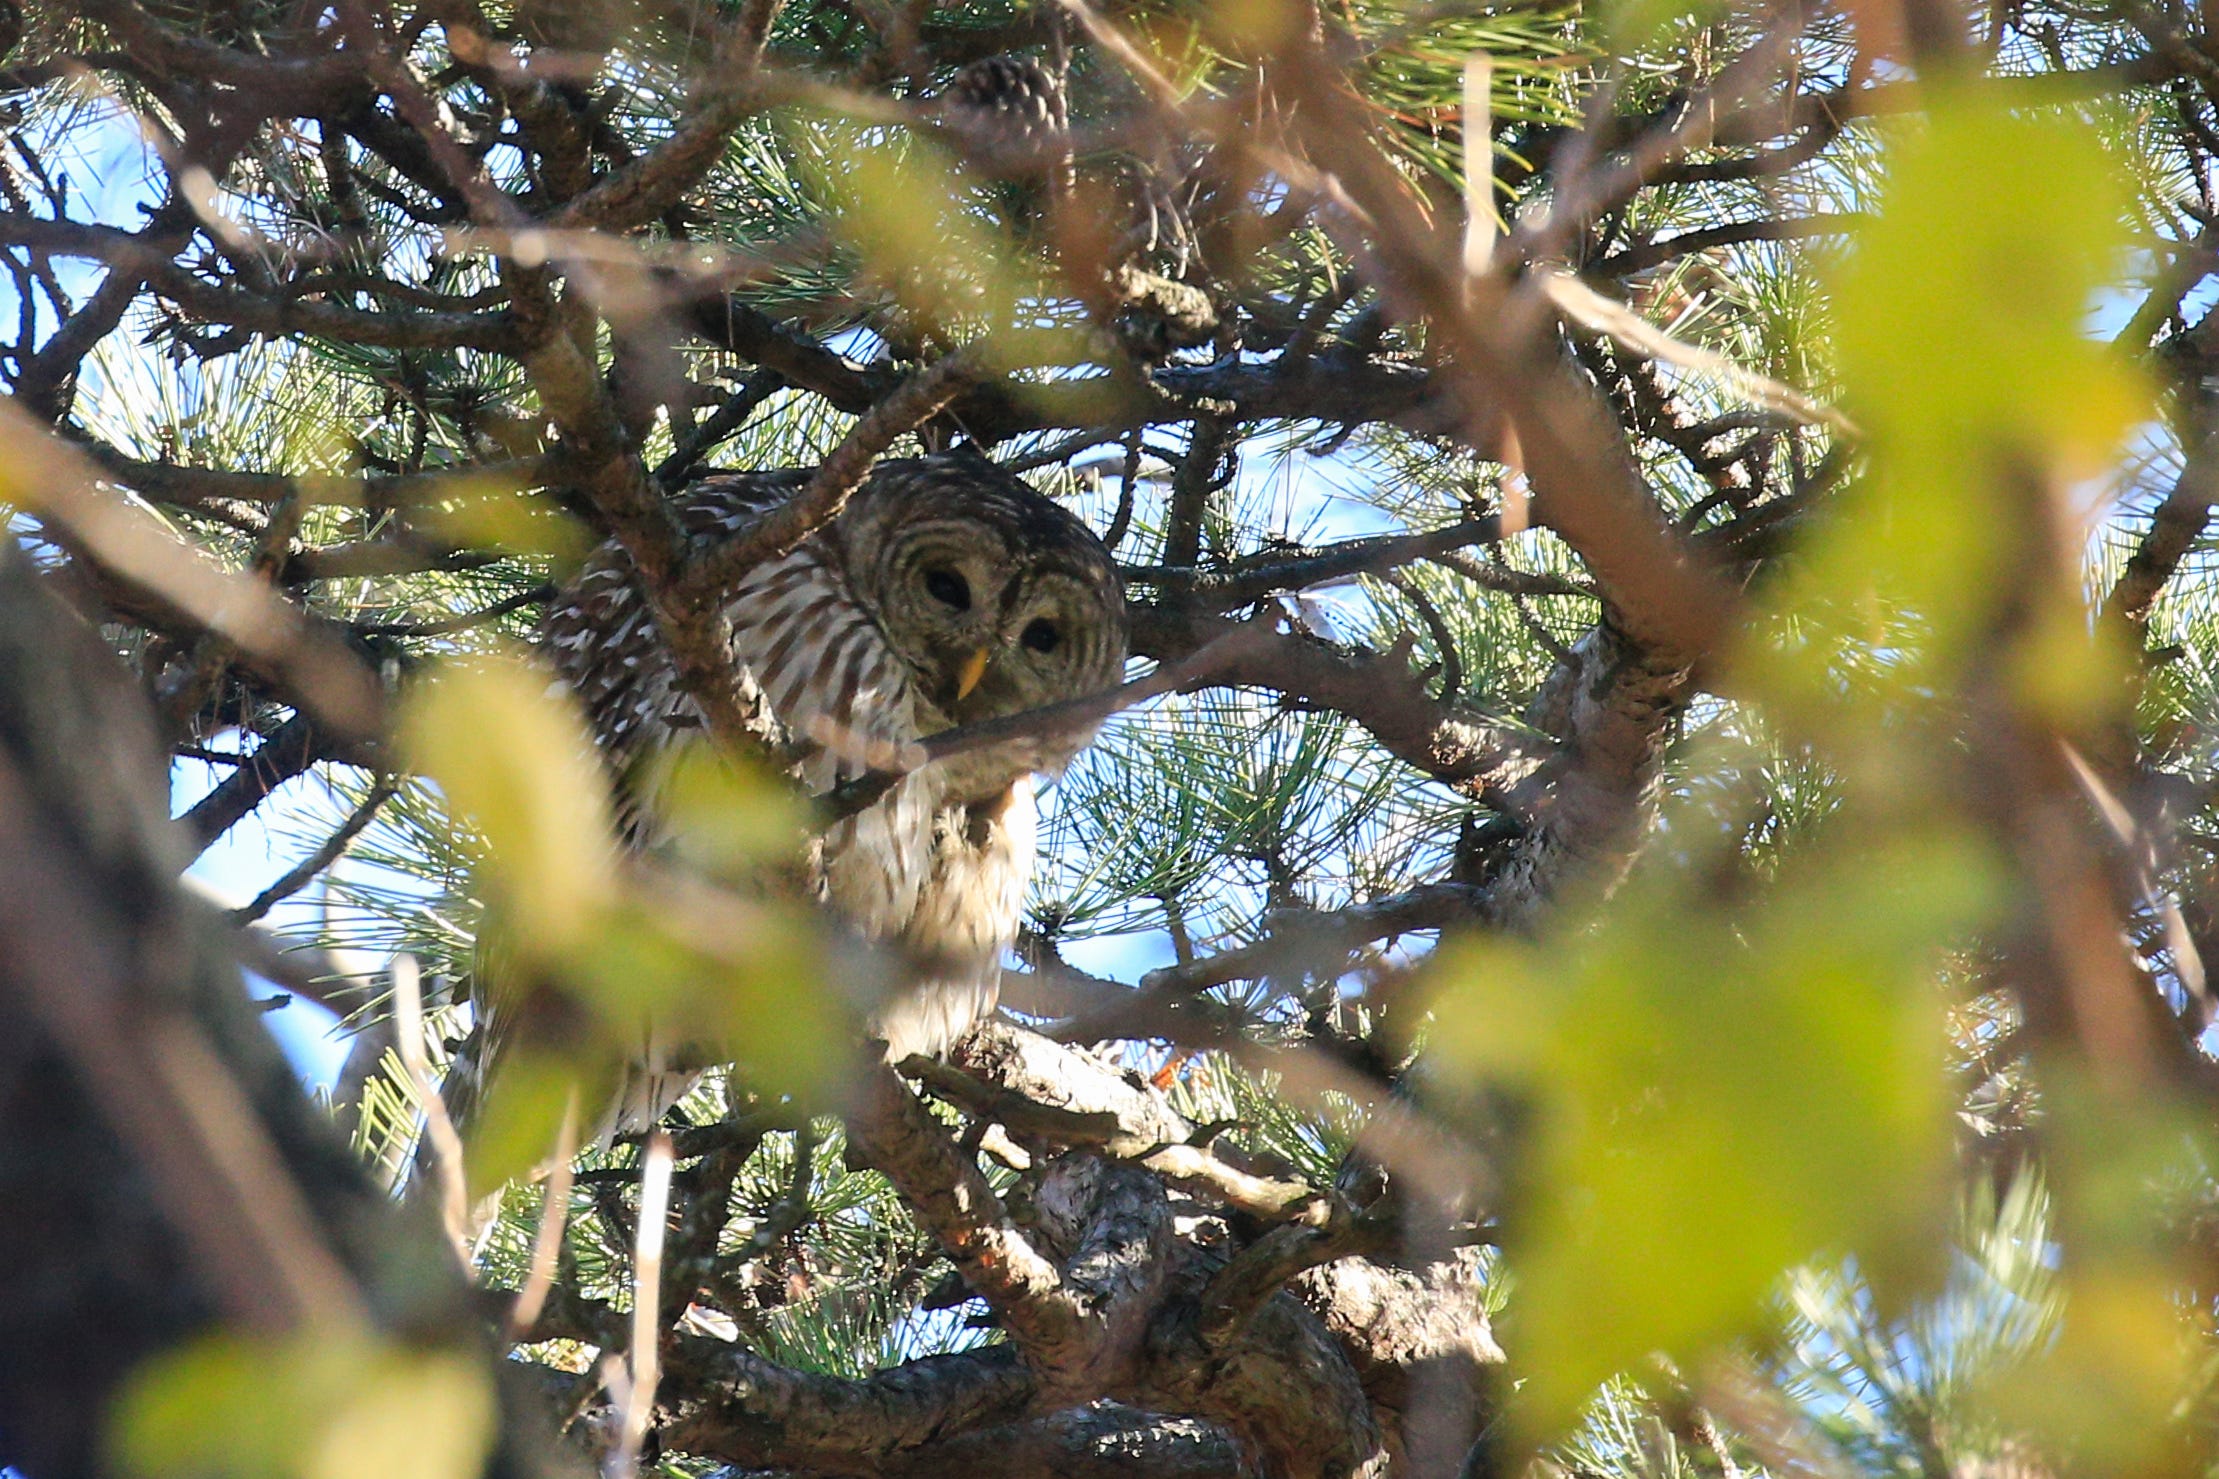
x: 941, y: 861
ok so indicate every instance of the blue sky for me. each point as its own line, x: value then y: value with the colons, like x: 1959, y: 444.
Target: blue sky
x: 239, y: 865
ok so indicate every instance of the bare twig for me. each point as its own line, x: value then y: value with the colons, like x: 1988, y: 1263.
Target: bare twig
x: 727, y: 419
x: 446, y: 1144
x: 1588, y: 193
x: 1238, y: 582
x: 1592, y: 311
x: 301, y: 874
x: 1142, y: 1130
x: 1479, y: 163
x: 642, y: 1369
x: 839, y: 475
x: 507, y: 605
x: 1642, y: 256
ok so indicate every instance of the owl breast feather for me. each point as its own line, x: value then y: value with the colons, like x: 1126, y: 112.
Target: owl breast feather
x: 946, y: 880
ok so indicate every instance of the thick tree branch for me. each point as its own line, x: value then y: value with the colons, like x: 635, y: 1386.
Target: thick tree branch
x: 306, y: 658
x: 167, y: 1174
x: 895, y: 1133
x: 1336, y: 388
x: 2175, y: 526
x: 1295, y: 943
x: 741, y: 1409
x: 275, y: 82
x: 291, y: 750
x: 1101, y: 1441
x: 1477, y: 753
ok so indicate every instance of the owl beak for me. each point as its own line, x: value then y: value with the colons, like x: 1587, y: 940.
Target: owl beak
x: 967, y: 677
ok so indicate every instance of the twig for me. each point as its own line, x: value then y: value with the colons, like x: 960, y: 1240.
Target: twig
x: 1590, y: 192
x: 1293, y: 941
x: 408, y: 1031
x: 1105, y: 34
x: 643, y: 1365
x: 792, y: 1209
x: 1128, y: 487
x: 656, y: 180
x: 302, y: 873
x: 1643, y: 255
x: 1444, y: 640
x: 1598, y: 314
x: 1044, y: 725
x: 450, y: 625
x: 919, y: 399
x: 728, y: 418
x: 288, y: 751
x: 2175, y: 526
x: 1479, y: 163
x: 1239, y: 582
x: 1511, y: 581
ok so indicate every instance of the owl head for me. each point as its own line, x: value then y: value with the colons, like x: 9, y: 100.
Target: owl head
x: 993, y: 595
x: 996, y: 598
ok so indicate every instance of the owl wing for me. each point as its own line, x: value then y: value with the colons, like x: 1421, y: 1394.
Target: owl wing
x: 803, y: 647
x: 602, y: 637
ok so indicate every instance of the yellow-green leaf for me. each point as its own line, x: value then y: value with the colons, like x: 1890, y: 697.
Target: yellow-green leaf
x: 514, y: 757
x: 320, y: 1406
x: 1718, y: 1094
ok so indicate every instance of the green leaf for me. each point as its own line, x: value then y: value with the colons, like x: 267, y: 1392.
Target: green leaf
x: 1720, y: 1093
x: 316, y: 1407
x: 515, y: 758
x: 1964, y: 345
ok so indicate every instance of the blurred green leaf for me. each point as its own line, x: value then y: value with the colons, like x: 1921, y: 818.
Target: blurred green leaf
x: 901, y: 207
x: 1722, y: 1092
x: 1963, y: 340
x: 742, y: 974
x: 723, y: 815
x: 516, y: 1126
x: 321, y: 1406
x: 488, y: 511
x: 515, y: 758
x: 2109, y: 1389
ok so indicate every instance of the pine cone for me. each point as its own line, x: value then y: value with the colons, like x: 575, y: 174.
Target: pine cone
x: 1007, y: 116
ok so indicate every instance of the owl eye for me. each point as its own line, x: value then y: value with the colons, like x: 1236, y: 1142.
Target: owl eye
x: 949, y: 589
x: 1042, y: 636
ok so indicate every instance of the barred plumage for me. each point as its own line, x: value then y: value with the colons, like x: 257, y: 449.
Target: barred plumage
x: 946, y: 592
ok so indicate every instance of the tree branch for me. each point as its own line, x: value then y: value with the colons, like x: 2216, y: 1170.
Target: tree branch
x: 895, y: 1133
x: 1643, y: 255
x: 2175, y: 526
x: 741, y: 1409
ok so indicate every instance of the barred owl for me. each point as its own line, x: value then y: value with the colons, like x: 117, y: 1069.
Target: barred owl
x: 946, y: 592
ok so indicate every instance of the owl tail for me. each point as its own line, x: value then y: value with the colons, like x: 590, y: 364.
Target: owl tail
x: 649, y: 1090
x: 929, y: 1017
